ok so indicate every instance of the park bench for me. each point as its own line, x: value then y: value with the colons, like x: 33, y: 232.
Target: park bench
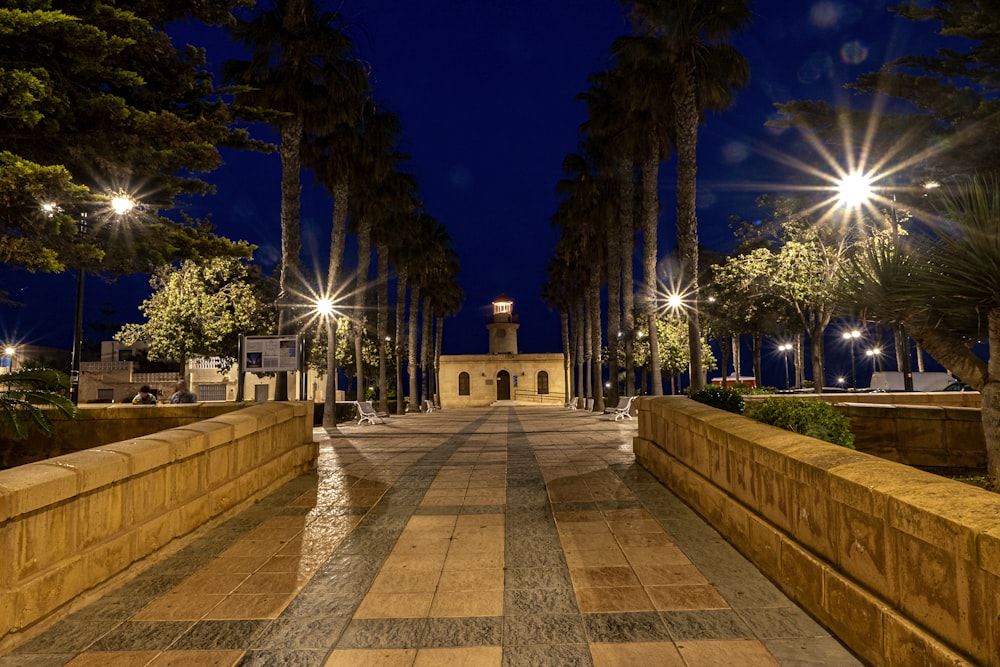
x: 573, y: 403
x: 621, y: 410
x: 589, y: 406
x: 429, y: 406
x: 367, y: 413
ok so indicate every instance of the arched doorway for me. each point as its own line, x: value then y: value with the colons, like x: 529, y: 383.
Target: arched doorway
x: 503, y: 386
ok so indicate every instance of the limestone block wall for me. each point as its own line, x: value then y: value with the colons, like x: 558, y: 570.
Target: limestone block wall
x: 927, y: 436
x: 951, y: 399
x: 902, y: 565
x: 73, y: 522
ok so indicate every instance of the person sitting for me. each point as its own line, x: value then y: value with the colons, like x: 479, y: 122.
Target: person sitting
x: 144, y: 397
x: 182, y: 394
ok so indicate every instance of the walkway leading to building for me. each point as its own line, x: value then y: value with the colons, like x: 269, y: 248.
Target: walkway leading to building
x: 505, y: 536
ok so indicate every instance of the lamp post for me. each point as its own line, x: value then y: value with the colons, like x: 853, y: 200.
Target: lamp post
x: 9, y: 352
x: 120, y: 205
x: 785, y: 348
x: 850, y: 337
x: 325, y: 308
x: 876, y: 354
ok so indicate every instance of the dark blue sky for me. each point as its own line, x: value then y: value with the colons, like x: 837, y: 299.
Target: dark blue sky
x: 486, y: 92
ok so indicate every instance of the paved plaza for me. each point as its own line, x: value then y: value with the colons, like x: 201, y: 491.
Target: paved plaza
x: 501, y: 536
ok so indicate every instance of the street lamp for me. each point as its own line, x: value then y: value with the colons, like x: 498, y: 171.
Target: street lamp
x: 121, y: 205
x: 876, y: 354
x: 325, y: 307
x: 785, y: 348
x: 9, y: 352
x: 851, y: 336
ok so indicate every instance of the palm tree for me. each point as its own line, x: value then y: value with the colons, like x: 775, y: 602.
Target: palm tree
x: 706, y: 72
x: 26, y: 395
x: 298, y: 56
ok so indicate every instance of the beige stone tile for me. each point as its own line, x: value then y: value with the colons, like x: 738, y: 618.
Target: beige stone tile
x: 415, y: 561
x: 595, y: 557
x: 272, y: 582
x: 371, y: 658
x: 278, y: 528
x: 236, y: 564
x: 655, y: 556
x: 479, y: 520
x: 588, y: 541
x: 432, y: 521
x: 395, y: 605
x: 471, y: 580
x: 635, y: 526
x: 583, y: 528
x: 206, y: 582
x: 644, y: 540
x: 247, y: 606
x: 603, y: 577
x: 302, y: 564
x: 176, y: 607
x: 622, y: 598
x: 113, y: 659
x: 673, y: 598
x: 478, y: 656
x: 467, y: 603
x: 199, y: 658
x: 726, y: 653
x: 660, y: 654
x: 474, y: 560
x: 392, y: 579
x: 617, y: 516
x: 669, y: 575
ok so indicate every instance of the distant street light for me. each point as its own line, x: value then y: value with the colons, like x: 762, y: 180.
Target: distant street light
x: 785, y: 348
x: 876, y: 354
x: 9, y: 352
x: 851, y: 336
x: 325, y: 307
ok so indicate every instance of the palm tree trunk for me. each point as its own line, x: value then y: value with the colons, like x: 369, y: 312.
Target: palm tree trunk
x: 588, y: 349
x: 361, y: 301
x: 401, y: 279
x: 291, y: 239
x: 686, y: 109
x: 614, y: 309
x: 564, y: 322
x: 426, y: 341
x: 412, y: 365
x: 650, y: 214
x: 628, y: 308
x: 579, y: 327
x: 338, y: 237
x: 382, y: 324
x: 438, y: 340
x: 595, y: 315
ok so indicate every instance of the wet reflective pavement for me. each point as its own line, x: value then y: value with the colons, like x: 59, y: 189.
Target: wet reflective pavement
x: 504, y: 536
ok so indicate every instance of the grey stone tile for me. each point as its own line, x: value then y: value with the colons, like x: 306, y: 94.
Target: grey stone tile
x: 142, y: 636
x: 533, y: 601
x: 36, y: 660
x: 483, y: 509
x: 781, y: 623
x: 457, y: 632
x: 283, y: 658
x: 706, y: 624
x: 302, y: 633
x: 68, y: 636
x: 438, y: 510
x: 812, y: 652
x: 219, y: 635
x: 547, y: 578
x: 566, y: 655
x: 619, y: 504
x: 751, y: 592
x: 544, y: 629
x: 535, y: 559
x: 534, y: 543
x: 148, y: 587
x: 384, y: 633
x: 575, y: 507
x: 625, y: 627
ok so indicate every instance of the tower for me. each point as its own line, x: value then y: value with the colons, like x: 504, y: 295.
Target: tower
x: 503, y: 326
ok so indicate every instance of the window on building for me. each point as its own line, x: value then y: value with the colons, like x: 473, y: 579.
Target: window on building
x: 543, y: 382
x: 463, y: 384
x: 211, y: 392
x: 106, y: 395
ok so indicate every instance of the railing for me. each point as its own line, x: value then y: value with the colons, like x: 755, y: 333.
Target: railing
x: 105, y: 366
x: 154, y: 377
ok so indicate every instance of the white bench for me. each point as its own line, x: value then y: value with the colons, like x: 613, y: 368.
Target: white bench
x: 367, y: 413
x: 429, y: 406
x: 573, y: 403
x: 621, y: 411
x: 589, y: 405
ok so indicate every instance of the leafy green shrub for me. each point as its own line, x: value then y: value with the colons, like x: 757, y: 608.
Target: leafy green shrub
x: 724, y: 398
x: 808, y: 416
x: 754, y: 391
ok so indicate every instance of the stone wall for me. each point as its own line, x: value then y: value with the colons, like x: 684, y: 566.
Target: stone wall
x: 98, y: 425
x: 903, y: 566
x: 71, y: 523
x: 925, y: 436
x: 951, y: 399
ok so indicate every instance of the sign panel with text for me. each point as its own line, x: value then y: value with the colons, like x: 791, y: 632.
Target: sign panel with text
x: 270, y: 354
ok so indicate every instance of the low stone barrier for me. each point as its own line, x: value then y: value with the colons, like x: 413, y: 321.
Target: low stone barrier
x: 923, y: 435
x: 903, y: 566
x: 950, y: 399
x: 98, y: 425
x: 71, y: 523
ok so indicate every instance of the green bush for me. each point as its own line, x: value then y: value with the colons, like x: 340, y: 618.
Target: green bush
x: 724, y: 398
x: 808, y: 416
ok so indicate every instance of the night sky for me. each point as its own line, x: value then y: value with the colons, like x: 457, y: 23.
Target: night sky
x: 486, y: 92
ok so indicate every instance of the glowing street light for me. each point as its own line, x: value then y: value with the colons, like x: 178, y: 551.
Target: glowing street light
x: 876, y: 354
x: 785, y: 348
x: 674, y: 301
x: 9, y: 352
x: 851, y: 336
x: 122, y: 204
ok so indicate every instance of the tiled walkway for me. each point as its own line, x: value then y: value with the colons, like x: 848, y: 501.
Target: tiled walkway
x: 509, y: 536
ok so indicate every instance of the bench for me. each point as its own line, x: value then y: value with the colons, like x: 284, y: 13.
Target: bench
x: 621, y: 410
x: 429, y: 406
x: 367, y: 413
x: 589, y: 405
x: 573, y: 403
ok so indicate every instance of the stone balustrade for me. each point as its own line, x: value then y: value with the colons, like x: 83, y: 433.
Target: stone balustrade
x: 902, y: 565
x: 74, y: 522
